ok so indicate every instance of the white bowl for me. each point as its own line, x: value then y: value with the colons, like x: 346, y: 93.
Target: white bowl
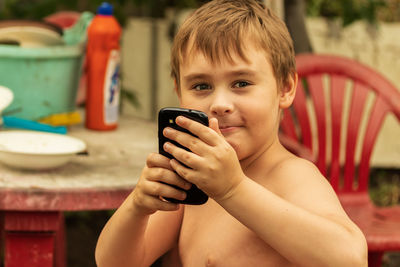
x: 37, y: 150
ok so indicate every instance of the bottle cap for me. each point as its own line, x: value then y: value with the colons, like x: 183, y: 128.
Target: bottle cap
x: 105, y: 9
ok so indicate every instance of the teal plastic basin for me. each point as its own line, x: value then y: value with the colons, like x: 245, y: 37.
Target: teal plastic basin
x: 44, y: 80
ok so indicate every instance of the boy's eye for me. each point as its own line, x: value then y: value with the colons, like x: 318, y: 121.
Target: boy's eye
x: 200, y: 87
x: 240, y: 84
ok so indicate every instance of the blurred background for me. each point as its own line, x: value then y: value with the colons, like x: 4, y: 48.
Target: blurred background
x: 365, y: 30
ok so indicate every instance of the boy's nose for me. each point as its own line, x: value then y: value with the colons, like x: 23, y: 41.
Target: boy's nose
x: 221, y: 105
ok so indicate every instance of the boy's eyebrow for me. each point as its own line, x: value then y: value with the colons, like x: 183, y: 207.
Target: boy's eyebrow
x: 195, y: 76
x: 244, y: 72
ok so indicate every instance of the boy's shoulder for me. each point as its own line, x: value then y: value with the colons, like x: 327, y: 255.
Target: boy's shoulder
x: 291, y: 168
x: 287, y: 169
x: 300, y: 182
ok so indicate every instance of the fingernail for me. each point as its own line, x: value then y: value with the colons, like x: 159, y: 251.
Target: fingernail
x: 167, y: 146
x: 180, y: 119
x: 167, y: 130
x: 188, y: 186
x: 183, y: 196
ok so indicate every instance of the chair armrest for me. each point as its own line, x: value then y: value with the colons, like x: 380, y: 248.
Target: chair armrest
x: 296, y: 148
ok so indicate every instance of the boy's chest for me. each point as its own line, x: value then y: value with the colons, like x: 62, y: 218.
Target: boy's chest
x: 212, y: 237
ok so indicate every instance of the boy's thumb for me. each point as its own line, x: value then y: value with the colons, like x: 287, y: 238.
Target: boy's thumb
x: 213, y: 122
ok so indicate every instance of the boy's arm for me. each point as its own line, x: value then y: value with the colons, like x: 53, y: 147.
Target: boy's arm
x: 306, y: 225
x: 145, y: 226
x: 130, y: 239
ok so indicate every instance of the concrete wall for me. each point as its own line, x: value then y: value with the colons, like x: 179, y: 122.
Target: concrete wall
x: 145, y: 71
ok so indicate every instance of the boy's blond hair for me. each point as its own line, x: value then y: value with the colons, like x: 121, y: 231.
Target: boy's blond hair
x: 221, y: 27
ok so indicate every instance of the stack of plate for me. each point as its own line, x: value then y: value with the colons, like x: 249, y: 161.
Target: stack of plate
x: 26, y: 33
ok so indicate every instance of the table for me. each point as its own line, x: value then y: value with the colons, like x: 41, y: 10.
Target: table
x: 32, y: 202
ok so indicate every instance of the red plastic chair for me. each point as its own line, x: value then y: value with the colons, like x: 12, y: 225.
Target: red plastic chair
x: 334, y: 97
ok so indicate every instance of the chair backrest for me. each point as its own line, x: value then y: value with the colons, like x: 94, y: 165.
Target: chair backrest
x: 338, y: 110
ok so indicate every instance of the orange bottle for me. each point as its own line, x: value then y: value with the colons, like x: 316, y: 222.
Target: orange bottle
x: 103, y: 63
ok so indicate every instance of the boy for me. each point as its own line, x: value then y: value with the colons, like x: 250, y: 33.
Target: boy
x: 233, y: 60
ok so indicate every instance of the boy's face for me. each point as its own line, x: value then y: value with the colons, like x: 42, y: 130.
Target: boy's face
x: 242, y: 95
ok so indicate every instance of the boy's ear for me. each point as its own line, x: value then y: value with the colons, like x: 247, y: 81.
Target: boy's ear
x: 288, y: 92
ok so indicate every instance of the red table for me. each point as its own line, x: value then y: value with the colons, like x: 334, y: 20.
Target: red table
x: 32, y: 203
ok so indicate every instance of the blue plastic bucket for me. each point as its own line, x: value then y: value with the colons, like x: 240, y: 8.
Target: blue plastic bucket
x: 44, y: 80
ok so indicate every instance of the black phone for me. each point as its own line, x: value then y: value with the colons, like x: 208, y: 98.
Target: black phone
x: 166, y: 118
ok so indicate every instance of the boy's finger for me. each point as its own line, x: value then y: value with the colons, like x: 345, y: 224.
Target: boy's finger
x: 168, y: 177
x: 157, y: 160
x: 190, y: 159
x: 214, y: 125
x: 198, y: 129
x: 159, y: 204
x: 182, y: 171
x: 186, y: 140
x: 162, y: 189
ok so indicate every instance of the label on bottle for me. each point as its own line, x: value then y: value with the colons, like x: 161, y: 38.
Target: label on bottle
x: 112, y: 88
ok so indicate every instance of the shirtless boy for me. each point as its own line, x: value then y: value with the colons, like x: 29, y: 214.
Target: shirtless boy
x: 233, y: 60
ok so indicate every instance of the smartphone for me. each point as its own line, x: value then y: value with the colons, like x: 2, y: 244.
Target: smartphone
x: 166, y: 118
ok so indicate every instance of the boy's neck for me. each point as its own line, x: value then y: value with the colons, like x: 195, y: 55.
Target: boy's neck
x: 266, y: 156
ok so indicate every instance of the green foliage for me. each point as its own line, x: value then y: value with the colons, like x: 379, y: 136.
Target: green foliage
x: 130, y: 97
x: 27, y: 9
x: 348, y: 10
x: 385, y: 187
x: 391, y: 13
x: 37, y: 9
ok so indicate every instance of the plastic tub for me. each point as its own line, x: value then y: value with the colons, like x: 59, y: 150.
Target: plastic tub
x: 44, y: 80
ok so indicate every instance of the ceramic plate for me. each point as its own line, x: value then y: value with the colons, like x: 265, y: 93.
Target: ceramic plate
x: 37, y: 150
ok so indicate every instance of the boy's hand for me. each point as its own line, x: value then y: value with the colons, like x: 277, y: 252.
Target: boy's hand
x: 214, y: 166
x: 153, y: 183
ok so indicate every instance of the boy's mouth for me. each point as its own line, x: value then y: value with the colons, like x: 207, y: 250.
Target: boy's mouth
x: 227, y: 129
